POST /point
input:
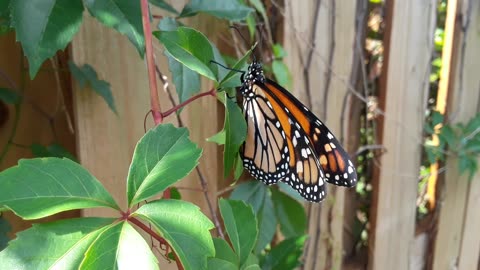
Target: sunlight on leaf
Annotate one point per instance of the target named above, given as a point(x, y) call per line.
point(53, 185)
point(231, 10)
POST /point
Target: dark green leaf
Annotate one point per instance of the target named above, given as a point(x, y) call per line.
point(242, 234)
point(175, 194)
point(290, 213)
point(232, 79)
point(428, 128)
point(447, 134)
point(187, 81)
point(162, 157)
point(437, 118)
point(189, 47)
point(123, 16)
point(5, 228)
point(52, 185)
point(44, 27)
point(52, 150)
point(267, 225)
point(473, 125)
point(285, 255)
point(5, 25)
point(56, 245)
point(168, 24)
point(467, 163)
point(282, 74)
point(185, 228)
point(163, 5)
point(117, 246)
point(225, 258)
point(231, 10)
point(235, 133)
point(87, 76)
point(9, 97)
point(252, 192)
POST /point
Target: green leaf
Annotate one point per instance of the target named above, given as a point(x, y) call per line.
point(447, 134)
point(242, 234)
point(187, 81)
point(251, 263)
point(119, 247)
point(87, 76)
point(467, 163)
point(185, 228)
point(238, 170)
point(123, 16)
point(225, 258)
point(287, 189)
point(52, 185)
point(163, 156)
point(189, 47)
point(278, 51)
point(252, 192)
point(5, 228)
point(56, 245)
point(5, 25)
point(232, 79)
point(282, 74)
point(285, 255)
point(251, 24)
point(231, 10)
point(218, 138)
point(45, 26)
point(163, 5)
point(437, 118)
point(9, 96)
point(218, 264)
point(290, 213)
point(235, 133)
point(52, 150)
point(168, 24)
point(267, 225)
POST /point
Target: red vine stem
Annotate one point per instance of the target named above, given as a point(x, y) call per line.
point(211, 92)
point(156, 236)
point(147, 30)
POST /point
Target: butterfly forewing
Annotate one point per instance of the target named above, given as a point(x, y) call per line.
point(265, 152)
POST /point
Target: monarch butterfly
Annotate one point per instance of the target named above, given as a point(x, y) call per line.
point(287, 142)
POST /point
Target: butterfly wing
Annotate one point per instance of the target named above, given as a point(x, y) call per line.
point(304, 172)
point(265, 152)
point(333, 159)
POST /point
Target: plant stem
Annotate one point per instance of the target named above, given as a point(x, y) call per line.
point(147, 30)
point(156, 236)
point(211, 92)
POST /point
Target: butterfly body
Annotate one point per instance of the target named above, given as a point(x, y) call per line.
point(287, 142)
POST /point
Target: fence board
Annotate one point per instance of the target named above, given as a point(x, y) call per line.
point(33, 127)
point(457, 245)
point(407, 69)
point(319, 39)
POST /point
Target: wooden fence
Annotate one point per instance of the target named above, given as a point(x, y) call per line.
point(325, 44)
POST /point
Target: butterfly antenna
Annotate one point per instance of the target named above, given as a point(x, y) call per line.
point(233, 69)
point(245, 40)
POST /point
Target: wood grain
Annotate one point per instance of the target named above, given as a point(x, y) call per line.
point(406, 77)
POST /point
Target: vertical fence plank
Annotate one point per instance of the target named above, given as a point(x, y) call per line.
point(457, 245)
point(319, 39)
point(407, 70)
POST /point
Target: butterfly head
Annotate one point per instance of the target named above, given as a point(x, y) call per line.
point(253, 75)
